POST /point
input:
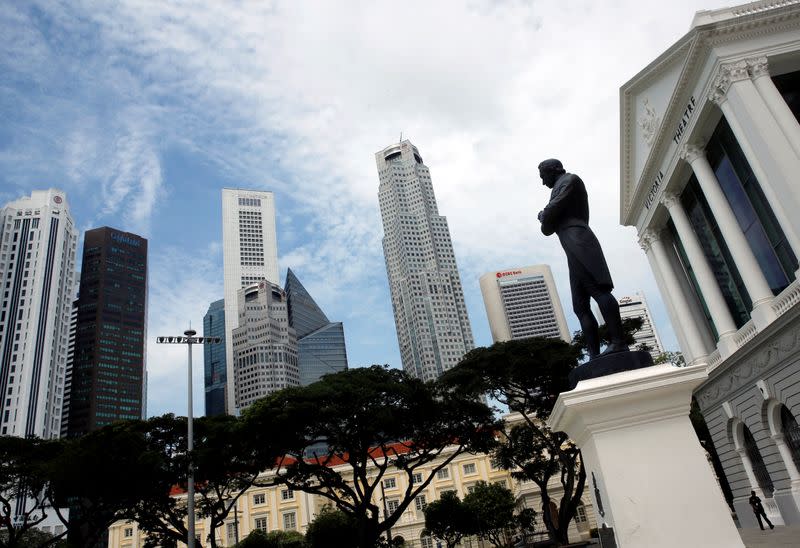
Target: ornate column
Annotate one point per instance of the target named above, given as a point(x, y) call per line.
point(677, 324)
point(695, 346)
point(749, 269)
point(764, 144)
point(788, 461)
point(759, 69)
point(720, 314)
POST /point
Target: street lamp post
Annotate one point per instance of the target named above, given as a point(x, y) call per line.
point(189, 339)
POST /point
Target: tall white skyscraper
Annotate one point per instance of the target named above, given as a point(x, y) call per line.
point(249, 254)
point(635, 306)
point(264, 344)
point(523, 302)
point(433, 328)
point(37, 271)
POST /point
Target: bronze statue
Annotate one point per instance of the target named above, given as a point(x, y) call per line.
point(567, 215)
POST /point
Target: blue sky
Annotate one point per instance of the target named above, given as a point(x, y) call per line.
point(143, 111)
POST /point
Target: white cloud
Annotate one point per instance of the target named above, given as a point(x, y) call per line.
point(298, 96)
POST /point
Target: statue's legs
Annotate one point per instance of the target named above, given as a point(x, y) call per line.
point(589, 327)
point(609, 308)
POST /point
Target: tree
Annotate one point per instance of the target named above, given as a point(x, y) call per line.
point(159, 512)
point(491, 510)
point(629, 327)
point(26, 490)
point(528, 375)
point(675, 358)
point(369, 421)
point(273, 539)
point(36, 537)
point(226, 462)
point(103, 474)
point(331, 529)
point(447, 519)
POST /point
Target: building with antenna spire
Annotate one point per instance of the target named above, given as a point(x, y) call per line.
point(430, 314)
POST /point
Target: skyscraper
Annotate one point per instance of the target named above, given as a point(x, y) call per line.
point(250, 254)
point(635, 306)
point(320, 343)
point(430, 315)
point(214, 359)
point(37, 270)
point(523, 302)
point(108, 366)
point(264, 345)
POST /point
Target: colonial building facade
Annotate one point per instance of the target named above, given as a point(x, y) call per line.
point(710, 157)
point(277, 508)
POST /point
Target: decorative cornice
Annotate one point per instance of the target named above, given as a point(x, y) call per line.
point(691, 152)
point(768, 355)
point(759, 66)
point(695, 47)
point(670, 200)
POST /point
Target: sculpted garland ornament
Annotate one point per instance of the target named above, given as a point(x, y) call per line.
point(649, 123)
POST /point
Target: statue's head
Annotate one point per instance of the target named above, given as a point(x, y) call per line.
point(550, 170)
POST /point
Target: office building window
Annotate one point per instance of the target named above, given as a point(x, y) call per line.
point(444, 473)
point(287, 494)
point(259, 498)
point(420, 502)
point(392, 505)
point(289, 521)
point(128, 532)
point(260, 523)
point(751, 208)
point(469, 468)
point(231, 533)
point(416, 477)
point(389, 483)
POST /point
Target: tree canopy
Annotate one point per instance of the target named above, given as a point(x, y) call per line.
point(528, 375)
point(370, 421)
point(331, 529)
point(448, 519)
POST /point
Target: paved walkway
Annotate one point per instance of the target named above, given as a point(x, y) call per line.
point(780, 536)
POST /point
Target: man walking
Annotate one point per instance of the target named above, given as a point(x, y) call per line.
point(758, 510)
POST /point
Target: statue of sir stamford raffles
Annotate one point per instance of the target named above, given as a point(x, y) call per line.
point(567, 215)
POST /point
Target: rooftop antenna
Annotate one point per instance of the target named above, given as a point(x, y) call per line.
point(401, 137)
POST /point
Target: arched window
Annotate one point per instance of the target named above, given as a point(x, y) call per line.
point(791, 434)
point(759, 468)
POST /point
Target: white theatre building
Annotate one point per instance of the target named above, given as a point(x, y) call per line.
point(523, 302)
point(37, 268)
point(710, 178)
point(249, 255)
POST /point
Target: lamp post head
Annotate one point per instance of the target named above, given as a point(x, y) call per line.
point(190, 332)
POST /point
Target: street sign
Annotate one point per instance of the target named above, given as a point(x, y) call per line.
point(188, 340)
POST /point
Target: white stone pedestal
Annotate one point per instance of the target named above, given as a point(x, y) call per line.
point(639, 448)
